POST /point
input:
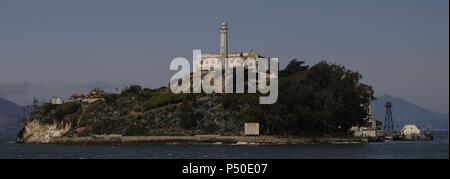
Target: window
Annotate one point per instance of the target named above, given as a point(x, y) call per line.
point(250, 65)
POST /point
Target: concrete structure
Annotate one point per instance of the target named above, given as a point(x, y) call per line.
point(209, 59)
point(363, 132)
point(410, 130)
point(224, 40)
point(370, 129)
point(93, 96)
point(56, 100)
point(251, 129)
point(235, 140)
point(76, 97)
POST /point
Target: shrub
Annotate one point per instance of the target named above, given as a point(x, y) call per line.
point(160, 99)
point(66, 109)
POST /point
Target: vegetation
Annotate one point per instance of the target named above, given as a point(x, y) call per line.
point(49, 112)
point(325, 99)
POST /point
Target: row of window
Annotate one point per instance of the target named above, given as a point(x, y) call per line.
point(231, 62)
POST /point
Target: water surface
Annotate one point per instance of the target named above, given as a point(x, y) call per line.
point(386, 150)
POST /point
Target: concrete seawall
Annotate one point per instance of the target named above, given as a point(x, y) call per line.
point(108, 139)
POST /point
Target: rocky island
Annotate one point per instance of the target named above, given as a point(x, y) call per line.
point(317, 104)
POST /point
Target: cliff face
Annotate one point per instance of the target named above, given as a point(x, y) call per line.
point(34, 131)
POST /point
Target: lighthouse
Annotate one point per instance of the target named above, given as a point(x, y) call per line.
point(224, 40)
point(207, 59)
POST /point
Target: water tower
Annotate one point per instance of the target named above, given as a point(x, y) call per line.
point(388, 120)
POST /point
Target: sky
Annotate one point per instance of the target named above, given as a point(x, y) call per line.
point(401, 47)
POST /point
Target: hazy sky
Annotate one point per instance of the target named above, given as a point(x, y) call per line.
point(400, 46)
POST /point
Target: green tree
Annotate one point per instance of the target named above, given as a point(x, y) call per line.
point(321, 100)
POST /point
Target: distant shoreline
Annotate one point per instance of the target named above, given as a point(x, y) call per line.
point(206, 139)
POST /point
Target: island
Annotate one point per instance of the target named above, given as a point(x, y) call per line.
point(317, 104)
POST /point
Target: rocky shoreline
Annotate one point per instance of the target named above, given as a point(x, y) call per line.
point(204, 139)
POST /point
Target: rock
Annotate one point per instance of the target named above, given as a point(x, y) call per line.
point(36, 132)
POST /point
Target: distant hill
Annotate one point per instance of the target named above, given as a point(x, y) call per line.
point(405, 112)
point(11, 115)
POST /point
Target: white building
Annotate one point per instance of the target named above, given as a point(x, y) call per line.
point(363, 132)
point(56, 100)
point(236, 59)
point(410, 130)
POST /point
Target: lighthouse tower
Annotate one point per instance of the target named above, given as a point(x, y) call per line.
point(224, 40)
